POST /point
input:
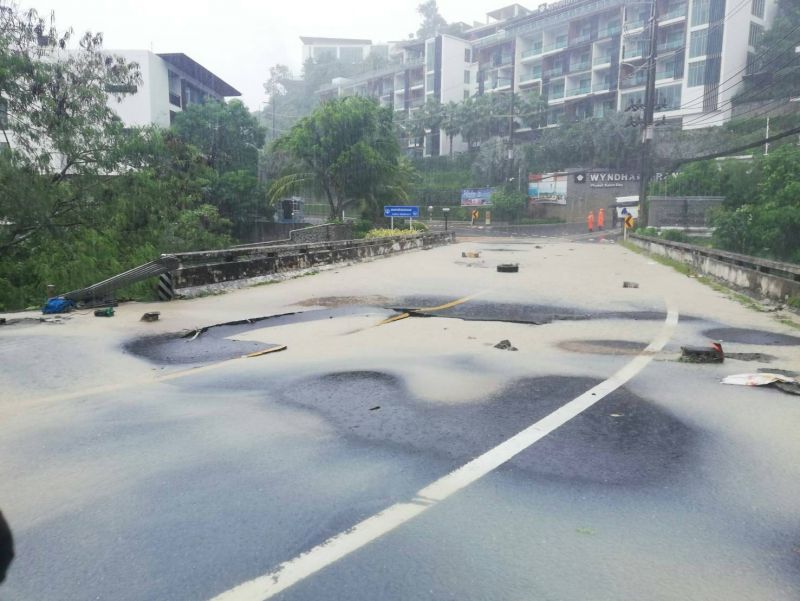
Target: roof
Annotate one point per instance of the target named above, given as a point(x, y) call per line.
point(498, 13)
point(310, 41)
point(200, 73)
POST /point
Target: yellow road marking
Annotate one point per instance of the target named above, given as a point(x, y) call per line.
point(450, 305)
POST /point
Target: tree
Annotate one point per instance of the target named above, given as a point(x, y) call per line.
point(509, 205)
point(776, 71)
point(347, 150)
point(58, 119)
point(230, 139)
point(432, 21)
point(451, 122)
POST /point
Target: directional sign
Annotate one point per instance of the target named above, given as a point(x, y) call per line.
point(401, 211)
point(628, 222)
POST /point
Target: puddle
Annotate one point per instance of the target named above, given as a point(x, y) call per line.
point(620, 440)
point(745, 336)
point(213, 343)
point(604, 347)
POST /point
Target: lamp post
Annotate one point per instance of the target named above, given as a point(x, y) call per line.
point(445, 210)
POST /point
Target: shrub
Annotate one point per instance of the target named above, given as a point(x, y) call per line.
point(386, 233)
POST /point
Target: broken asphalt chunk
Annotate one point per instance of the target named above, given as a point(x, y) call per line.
point(703, 354)
point(505, 345)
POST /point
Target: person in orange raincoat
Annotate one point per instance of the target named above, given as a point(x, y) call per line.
point(590, 221)
point(601, 218)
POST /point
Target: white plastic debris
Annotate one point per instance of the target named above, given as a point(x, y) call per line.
point(760, 379)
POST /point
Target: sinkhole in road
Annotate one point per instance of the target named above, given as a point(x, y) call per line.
point(216, 343)
point(534, 314)
point(621, 440)
point(747, 336)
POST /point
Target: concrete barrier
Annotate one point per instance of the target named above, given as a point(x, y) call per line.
point(208, 268)
point(770, 279)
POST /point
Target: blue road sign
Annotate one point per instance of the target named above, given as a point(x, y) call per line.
point(400, 211)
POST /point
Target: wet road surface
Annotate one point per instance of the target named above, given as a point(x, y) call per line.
point(202, 470)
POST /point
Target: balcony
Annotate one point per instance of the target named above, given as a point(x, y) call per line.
point(557, 45)
point(602, 60)
point(610, 31)
point(601, 86)
point(174, 99)
point(530, 75)
point(555, 72)
point(671, 45)
point(635, 24)
point(534, 50)
point(417, 83)
point(581, 39)
point(581, 66)
point(674, 12)
point(556, 94)
point(585, 89)
point(417, 102)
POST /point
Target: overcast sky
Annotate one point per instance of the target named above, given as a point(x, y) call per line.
point(239, 40)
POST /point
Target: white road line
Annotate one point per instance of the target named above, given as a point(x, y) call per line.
point(293, 571)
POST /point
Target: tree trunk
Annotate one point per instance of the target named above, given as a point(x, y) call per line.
point(451, 146)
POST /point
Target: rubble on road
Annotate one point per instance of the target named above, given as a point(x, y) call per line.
point(505, 345)
point(703, 354)
point(783, 382)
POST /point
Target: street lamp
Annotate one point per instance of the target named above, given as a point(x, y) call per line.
point(445, 210)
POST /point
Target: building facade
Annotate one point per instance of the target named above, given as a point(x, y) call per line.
point(170, 83)
point(585, 58)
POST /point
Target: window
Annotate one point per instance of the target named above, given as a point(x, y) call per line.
point(757, 8)
point(467, 55)
point(324, 53)
point(632, 99)
point(430, 55)
point(698, 43)
point(668, 98)
point(3, 113)
point(429, 83)
point(751, 63)
point(697, 74)
point(466, 94)
point(351, 55)
point(466, 76)
point(756, 31)
point(701, 12)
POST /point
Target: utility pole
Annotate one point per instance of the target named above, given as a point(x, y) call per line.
point(272, 102)
point(649, 109)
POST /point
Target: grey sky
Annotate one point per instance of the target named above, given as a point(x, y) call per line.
point(240, 39)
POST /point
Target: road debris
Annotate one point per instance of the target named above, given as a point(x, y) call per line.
point(274, 349)
point(508, 267)
point(505, 345)
point(375, 408)
point(630, 284)
point(703, 354)
point(105, 312)
point(151, 316)
point(785, 383)
point(58, 305)
point(471, 254)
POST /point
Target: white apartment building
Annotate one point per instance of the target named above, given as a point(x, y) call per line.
point(586, 58)
point(170, 82)
point(346, 50)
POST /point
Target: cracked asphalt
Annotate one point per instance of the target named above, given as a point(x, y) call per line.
point(150, 461)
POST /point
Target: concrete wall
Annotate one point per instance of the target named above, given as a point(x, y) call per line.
point(682, 211)
point(770, 279)
point(215, 267)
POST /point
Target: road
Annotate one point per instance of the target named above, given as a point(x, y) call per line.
point(394, 453)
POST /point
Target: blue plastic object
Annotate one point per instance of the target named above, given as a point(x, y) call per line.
point(58, 305)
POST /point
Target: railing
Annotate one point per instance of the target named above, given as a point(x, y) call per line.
point(415, 83)
point(674, 13)
point(578, 91)
point(670, 45)
point(174, 99)
point(556, 94)
point(636, 24)
point(530, 75)
point(611, 31)
point(414, 62)
point(534, 50)
point(604, 86)
point(557, 72)
point(555, 46)
point(601, 60)
point(581, 39)
point(416, 103)
point(584, 66)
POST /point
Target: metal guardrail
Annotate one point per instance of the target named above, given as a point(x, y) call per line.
point(101, 290)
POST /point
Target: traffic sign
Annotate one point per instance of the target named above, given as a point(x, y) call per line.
point(628, 222)
point(401, 211)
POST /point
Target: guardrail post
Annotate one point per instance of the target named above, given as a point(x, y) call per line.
point(165, 287)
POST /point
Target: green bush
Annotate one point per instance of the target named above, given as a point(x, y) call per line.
point(387, 233)
point(675, 236)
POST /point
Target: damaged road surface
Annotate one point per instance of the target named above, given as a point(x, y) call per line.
point(396, 449)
